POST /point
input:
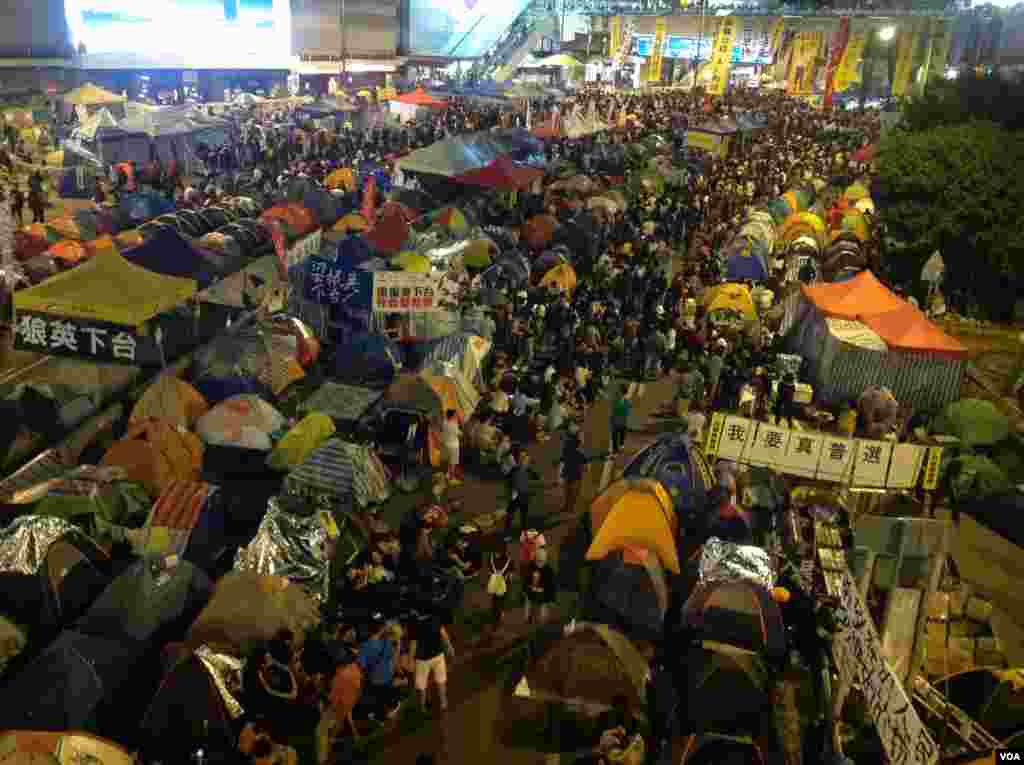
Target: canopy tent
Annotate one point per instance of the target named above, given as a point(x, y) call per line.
point(502, 175)
point(97, 290)
point(638, 513)
point(91, 95)
point(458, 155)
point(559, 60)
point(677, 465)
point(91, 128)
point(922, 365)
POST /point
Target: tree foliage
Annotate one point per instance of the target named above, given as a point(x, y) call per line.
point(959, 189)
point(971, 96)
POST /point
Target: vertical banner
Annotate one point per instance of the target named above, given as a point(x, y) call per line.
point(777, 31)
point(906, 47)
point(839, 41)
point(815, 48)
point(721, 57)
point(849, 67)
point(805, 48)
point(941, 38)
point(614, 36)
point(657, 55)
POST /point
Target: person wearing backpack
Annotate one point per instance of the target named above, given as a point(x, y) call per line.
point(622, 408)
point(500, 567)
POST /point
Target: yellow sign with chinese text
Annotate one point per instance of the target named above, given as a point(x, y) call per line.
point(848, 71)
point(721, 57)
point(906, 47)
point(654, 65)
point(614, 36)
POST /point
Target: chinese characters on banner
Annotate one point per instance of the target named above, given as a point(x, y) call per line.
point(810, 454)
point(614, 36)
point(721, 57)
point(848, 71)
point(67, 336)
point(654, 66)
point(859, 659)
point(402, 292)
point(331, 283)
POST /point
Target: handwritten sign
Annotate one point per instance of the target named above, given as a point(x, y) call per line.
point(404, 292)
point(872, 465)
point(737, 435)
point(332, 283)
point(859, 659)
point(70, 336)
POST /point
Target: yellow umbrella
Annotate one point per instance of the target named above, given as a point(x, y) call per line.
point(342, 178)
point(562, 276)
point(352, 222)
point(856, 192)
point(413, 262)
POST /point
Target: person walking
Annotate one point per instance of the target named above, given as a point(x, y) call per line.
point(519, 485)
point(574, 464)
point(18, 206)
point(451, 434)
point(430, 645)
point(622, 408)
point(500, 565)
point(539, 587)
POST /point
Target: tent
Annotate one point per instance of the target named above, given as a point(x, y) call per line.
point(459, 155)
point(730, 686)
point(923, 366)
point(342, 470)
point(635, 512)
point(715, 749)
point(35, 747)
point(245, 421)
point(630, 585)
point(562, 276)
point(677, 465)
point(420, 393)
point(732, 298)
point(342, 403)
point(72, 685)
point(301, 441)
point(148, 599)
point(168, 254)
point(592, 664)
point(368, 358)
point(155, 453)
point(412, 105)
point(738, 613)
point(455, 384)
point(502, 175)
point(463, 351)
point(390, 231)
point(96, 290)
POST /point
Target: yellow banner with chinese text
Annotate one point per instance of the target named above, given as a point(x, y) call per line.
point(654, 65)
point(778, 30)
point(614, 36)
point(721, 57)
point(906, 47)
point(848, 71)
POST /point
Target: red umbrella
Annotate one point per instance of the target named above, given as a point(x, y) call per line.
point(864, 154)
point(502, 174)
point(420, 97)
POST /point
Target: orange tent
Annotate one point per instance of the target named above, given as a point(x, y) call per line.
point(420, 97)
point(298, 219)
point(865, 299)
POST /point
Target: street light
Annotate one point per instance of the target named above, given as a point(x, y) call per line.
point(885, 34)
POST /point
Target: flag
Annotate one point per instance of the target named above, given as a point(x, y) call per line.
point(839, 42)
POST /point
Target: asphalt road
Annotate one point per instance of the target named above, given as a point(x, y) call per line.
point(473, 729)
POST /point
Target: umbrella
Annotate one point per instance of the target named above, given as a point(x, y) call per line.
point(479, 254)
point(352, 222)
point(342, 178)
point(974, 421)
point(864, 154)
point(451, 218)
point(412, 262)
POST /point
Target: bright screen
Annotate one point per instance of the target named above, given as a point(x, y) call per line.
point(186, 34)
point(677, 46)
point(459, 28)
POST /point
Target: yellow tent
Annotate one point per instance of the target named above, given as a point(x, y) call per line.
point(107, 288)
point(352, 222)
point(562, 276)
point(92, 95)
point(343, 179)
point(301, 441)
point(171, 399)
point(635, 512)
point(731, 297)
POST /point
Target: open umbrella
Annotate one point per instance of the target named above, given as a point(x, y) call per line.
point(479, 254)
point(412, 262)
point(974, 421)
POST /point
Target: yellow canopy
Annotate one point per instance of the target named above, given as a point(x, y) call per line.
point(635, 512)
point(92, 95)
point(562, 276)
point(731, 297)
point(107, 288)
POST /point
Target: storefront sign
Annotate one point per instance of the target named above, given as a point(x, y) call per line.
point(400, 292)
point(332, 283)
point(306, 247)
point(810, 454)
point(860, 661)
point(68, 336)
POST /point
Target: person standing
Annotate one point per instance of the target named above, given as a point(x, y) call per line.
point(499, 565)
point(785, 405)
point(622, 408)
point(18, 206)
point(519, 484)
point(574, 464)
point(430, 645)
point(539, 587)
point(451, 434)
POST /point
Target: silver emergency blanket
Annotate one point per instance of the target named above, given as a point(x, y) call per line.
point(226, 673)
point(24, 543)
point(291, 547)
point(443, 253)
point(722, 561)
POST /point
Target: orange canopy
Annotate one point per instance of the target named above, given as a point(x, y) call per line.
point(865, 299)
point(420, 97)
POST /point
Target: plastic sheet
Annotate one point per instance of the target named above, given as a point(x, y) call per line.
point(722, 561)
point(226, 673)
point(292, 547)
point(24, 543)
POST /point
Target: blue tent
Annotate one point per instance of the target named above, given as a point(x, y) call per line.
point(742, 268)
point(679, 467)
point(353, 249)
point(142, 206)
point(168, 254)
point(368, 359)
point(329, 208)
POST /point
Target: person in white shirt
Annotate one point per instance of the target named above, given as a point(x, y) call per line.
point(451, 433)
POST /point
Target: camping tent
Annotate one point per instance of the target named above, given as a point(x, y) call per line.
point(98, 290)
point(464, 351)
point(922, 365)
point(341, 469)
point(638, 513)
point(732, 298)
point(168, 254)
point(677, 465)
point(630, 587)
point(738, 613)
point(992, 697)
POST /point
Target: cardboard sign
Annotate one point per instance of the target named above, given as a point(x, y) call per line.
point(737, 434)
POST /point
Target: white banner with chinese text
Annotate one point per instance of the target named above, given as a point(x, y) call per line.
point(811, 454)
point(404, 292)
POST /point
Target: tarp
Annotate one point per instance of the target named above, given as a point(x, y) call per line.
point(865, 299)
point(341, 470)
point(502, 175)
point(638, 513)
point(99, 289)
point(731, 297)
point(91, 95)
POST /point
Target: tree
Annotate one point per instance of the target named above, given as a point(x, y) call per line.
point(958, 189)
point(969, 97)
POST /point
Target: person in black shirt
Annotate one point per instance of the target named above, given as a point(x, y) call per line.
point(430, 644)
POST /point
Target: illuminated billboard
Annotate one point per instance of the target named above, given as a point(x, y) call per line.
point(680, 46)
point(459, 28)
point(185, 34)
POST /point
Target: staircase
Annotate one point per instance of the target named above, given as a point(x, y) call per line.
point(970, 734)
point(523, 36)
